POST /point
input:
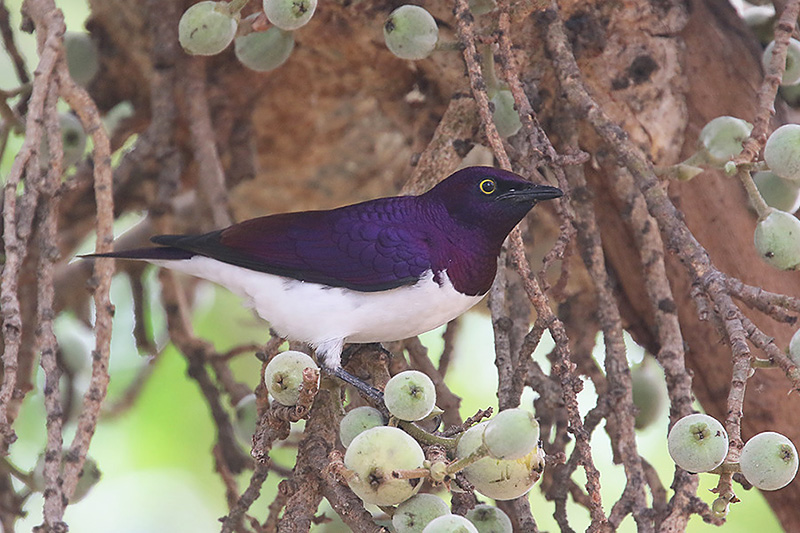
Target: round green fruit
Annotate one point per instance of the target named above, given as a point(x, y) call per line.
point(769, 461)
point(791, 75)
point(697, 443)
point(722, 138)
point(790, 95)
point(451, 523)
point(649, 392)
point(761, 20)
point(357, 421)
point(511, 434)
point(284, 375)
point(73, 142)
point(505, 116)
point(501, 479)
point(720, 507)
point(415, 513)
point(266, 50)
point(410, 32)
point(794, 348)
point(777, 239)
point(410, 395)
point(490, 519)
point(73, 138)
point(782, 152)
point(373, 456)
point(206, 28)
point(289, 14)
point(88, 477)
point(82, 57)
point(75, 343)
point(777, 192)
point(246, 419)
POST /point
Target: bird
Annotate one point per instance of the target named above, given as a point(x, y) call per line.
point(382, 270)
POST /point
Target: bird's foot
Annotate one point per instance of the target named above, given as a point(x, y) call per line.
point(361, 386)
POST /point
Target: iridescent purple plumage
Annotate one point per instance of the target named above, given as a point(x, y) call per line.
point(379, 270)
point(379, 244)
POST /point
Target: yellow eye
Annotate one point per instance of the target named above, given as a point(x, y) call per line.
point(487, 186)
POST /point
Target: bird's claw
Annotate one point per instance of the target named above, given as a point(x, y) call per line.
point(373, 394)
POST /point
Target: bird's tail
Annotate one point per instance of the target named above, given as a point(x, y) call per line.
point(152, 253)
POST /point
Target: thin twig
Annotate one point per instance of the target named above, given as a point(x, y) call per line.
point(445, 399)
point(620, 425)
point(10, 45)
point(197, 353)
point(564, 367)
point(54, 497)
point(15, 237)
point(231, 521)
point(466, 34)
point(272, 427)
point(784, 27)
point(671, 354)
point(501, 327)
point(90, 118)
point(448, 337)
point(769, 303)
point(777, 357)
point(209, 167)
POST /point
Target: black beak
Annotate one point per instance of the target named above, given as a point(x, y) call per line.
point(534, 193)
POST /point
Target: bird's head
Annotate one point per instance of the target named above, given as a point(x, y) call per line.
point(489, 198)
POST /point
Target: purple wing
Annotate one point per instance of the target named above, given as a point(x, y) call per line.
point(367, 247)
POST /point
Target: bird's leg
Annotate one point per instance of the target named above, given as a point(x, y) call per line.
point(330, 356)
point(361, 386)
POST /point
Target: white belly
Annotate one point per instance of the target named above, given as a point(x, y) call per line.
point(327, 317)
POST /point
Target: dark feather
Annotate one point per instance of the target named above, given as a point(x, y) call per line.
point(457, 226)
point(367, 247)
point(162, 253)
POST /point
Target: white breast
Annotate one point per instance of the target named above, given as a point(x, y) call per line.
point(327, 317)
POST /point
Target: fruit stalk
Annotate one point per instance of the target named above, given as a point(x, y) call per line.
point(761, 207)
